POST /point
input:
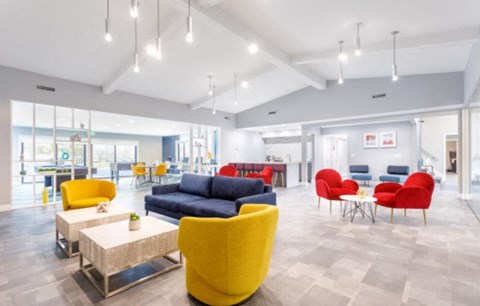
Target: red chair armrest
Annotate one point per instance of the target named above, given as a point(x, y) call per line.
point(387, 187)
point(350, 184)
point(322, 189)
point(412, 197)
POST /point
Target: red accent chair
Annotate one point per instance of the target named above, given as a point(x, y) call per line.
point(416, 193)
point(266, 175)
point(228, 171)
point(329, 185)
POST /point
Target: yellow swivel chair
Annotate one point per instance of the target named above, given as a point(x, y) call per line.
point(161, 172)
point(227, 259)
point(86, 193)
point(139, 173)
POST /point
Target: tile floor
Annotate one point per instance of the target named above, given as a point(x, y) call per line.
point(319, 259)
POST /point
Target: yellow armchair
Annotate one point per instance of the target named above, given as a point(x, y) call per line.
point(227, 259)
point(86, 193)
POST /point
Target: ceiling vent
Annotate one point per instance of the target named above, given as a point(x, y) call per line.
point(41, 87)
point(227, 118)
point(272, 113)
point(379, 96)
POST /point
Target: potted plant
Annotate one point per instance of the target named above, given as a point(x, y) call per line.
point(23, 172)
point(134, 223)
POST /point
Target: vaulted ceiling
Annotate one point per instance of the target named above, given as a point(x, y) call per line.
point(297, 41)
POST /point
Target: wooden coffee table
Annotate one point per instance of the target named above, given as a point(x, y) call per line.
point(114, 251)
point(358, 203)
point(69, 222)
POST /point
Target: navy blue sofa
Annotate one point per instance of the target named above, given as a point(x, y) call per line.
point(360, 173)
point(206, 196)
point(396, 174)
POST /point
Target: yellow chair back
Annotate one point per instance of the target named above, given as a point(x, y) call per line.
point(86, 189)
point(138, 169)
point(161, 169)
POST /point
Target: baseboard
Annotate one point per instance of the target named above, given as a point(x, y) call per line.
point(464, 196)
point(5, 207)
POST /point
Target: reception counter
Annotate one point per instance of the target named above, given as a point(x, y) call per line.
point(292, 174)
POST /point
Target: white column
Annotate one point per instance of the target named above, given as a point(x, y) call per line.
point(304, 165)
point(5, 155)
point(463, 156)
point(190, 149)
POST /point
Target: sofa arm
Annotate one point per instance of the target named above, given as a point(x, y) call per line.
point(413, 197)
point(387, 187)
point(350, 184)
point(265, 198)
point(163, 189)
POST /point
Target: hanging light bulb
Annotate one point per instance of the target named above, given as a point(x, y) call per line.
point(108, 35)
point(358, 49)
point(342, 56)
point(235, 84)
point(136, 66)
point(134, 9)
point(214, 111)
point(253, 48)
point(210, 89)
point(244, 84)
point(394, 65)
point(189, 37)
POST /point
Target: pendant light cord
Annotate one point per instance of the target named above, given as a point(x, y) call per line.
point(108, 9)
point(158, 18)
point(136, 40)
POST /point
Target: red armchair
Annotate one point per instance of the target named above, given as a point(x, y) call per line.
point(416, 193)
point(228, 171)
point(266, 175)
point(329, 185)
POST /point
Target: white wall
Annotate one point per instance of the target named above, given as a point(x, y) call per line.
point(241, 146)
point(472, 73)
point(434, 130)
point(377, 159)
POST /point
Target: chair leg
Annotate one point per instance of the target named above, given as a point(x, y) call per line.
point(376, 209)
point(318, 202)
point(405, 212)
point(425, 217)
point(391, 216)
point(330, 206)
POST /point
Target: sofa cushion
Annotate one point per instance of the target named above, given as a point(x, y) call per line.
point(87, 202)
point(359, 169)
point(171, 201)
point(401, 170)
point(385, 198)
point(389, 178)
point(196, 184)
point(209, 208)
point(335, 193)
point(232, 188)
point(361, 177)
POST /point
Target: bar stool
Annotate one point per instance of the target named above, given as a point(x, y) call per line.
point(279, 169)
point(257, 168)
point(241, 168)
point(248, 169)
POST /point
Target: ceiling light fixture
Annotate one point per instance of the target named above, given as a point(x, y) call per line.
point(358, 49)
point(253, 48)
point(235, 84)
point(136, 67)
point(244, 84)
point(210, 88)
point(189, 37)
point(394, 65)
point(134, 9)
point(214, 111)
point(158, 54)
point(342, 56)
point(108, 35)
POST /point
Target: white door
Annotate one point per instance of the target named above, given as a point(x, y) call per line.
point(335, 153)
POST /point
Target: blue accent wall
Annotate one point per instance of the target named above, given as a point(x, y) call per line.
point(168, 147)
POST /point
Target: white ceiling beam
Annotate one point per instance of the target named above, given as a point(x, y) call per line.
point(432, 40)
point(173, 25)
point(249, 77)
point(270, 52)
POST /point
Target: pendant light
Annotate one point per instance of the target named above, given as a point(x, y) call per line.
point(358, 49)
point(394, 65)
point(108, 35)
point(214, 111)
point(340, 74)
point(189, 37)
point(134, 9)
point(342, 56)
point(236, 86)
point(136, 67)
point(210, 89)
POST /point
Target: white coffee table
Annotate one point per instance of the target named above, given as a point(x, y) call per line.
point(69, 222)
point(358, 203)
point(112, 248)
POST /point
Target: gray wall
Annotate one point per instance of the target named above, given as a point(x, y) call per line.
point(354, 99)
point(21, 85)
point(472, 72)
point(377, 159)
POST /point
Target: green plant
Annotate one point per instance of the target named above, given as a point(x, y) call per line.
point(134, 217)
point(23, 172)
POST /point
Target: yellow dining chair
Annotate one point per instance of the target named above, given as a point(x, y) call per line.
point(227, 259)
point(139, 173)
point(86, 193)
point(161, 173)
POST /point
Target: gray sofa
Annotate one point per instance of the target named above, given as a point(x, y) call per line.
point(205, 196)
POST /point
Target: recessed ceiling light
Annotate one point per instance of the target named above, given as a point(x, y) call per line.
point(131, 121)
point(117, 124)
point(244, 84)
point(253, 48)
